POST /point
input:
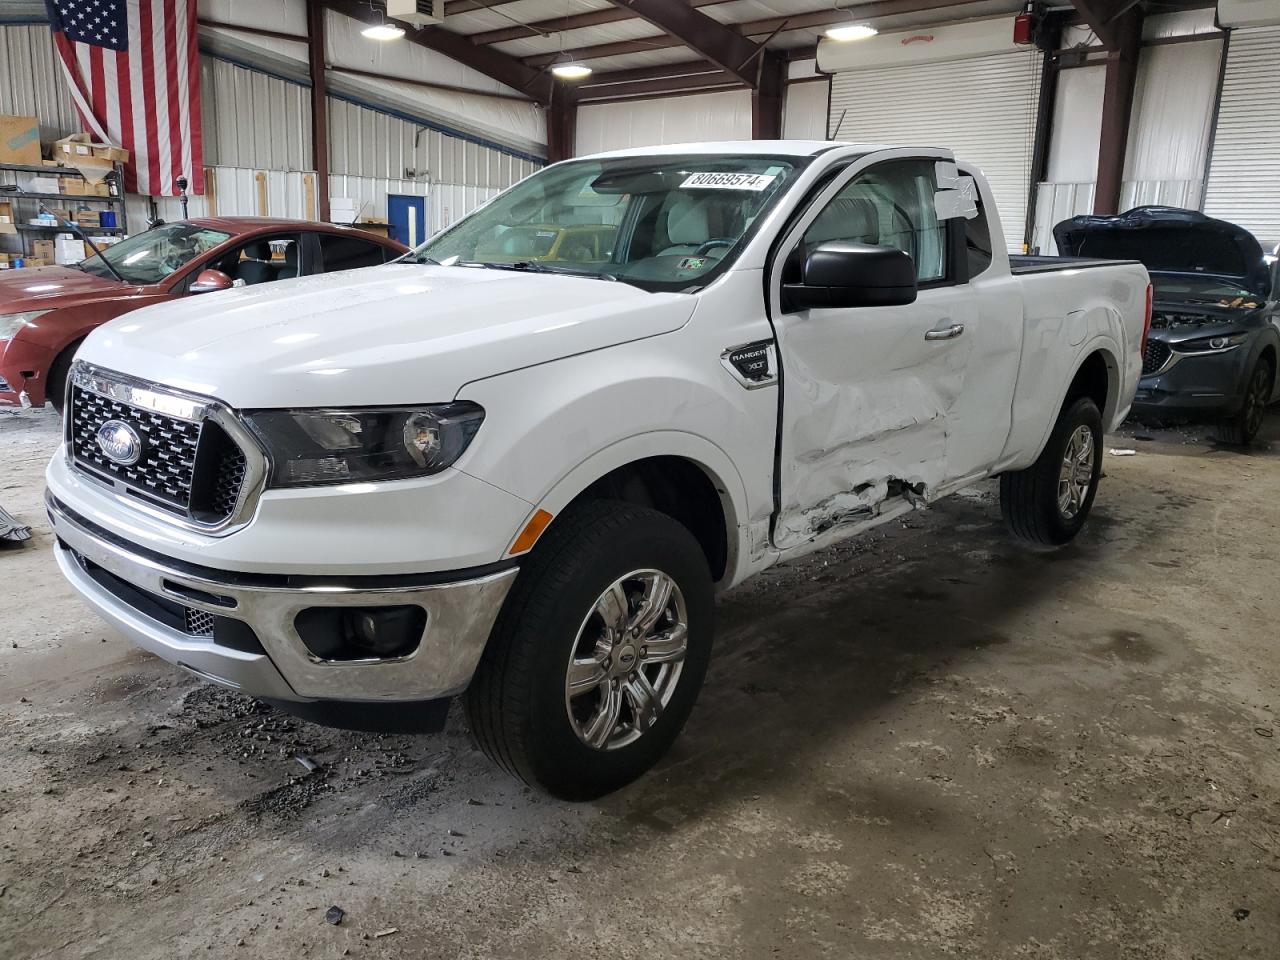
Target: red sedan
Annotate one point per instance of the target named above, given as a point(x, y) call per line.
point(46, 311)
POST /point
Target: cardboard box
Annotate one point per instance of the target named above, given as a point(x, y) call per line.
point(68, 250)
point(88, 220)
point(20, 140)
point(36, 184)
point(43, 250)
point(7, 223)
point(93, 160)
point(73, 186)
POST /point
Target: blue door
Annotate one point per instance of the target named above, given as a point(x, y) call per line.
point(408, 218)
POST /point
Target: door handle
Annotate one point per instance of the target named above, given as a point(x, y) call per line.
point(945, 333)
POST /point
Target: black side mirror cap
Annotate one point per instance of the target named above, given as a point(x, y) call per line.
point(843, 274)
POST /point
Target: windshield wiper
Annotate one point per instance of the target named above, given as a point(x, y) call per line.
point(534, 266)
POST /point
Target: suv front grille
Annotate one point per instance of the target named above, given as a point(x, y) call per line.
point(1155, 357)
point(188, 466)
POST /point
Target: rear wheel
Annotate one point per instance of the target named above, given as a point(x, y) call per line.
point(59, 370)
point(1244, 426)
point(599, 652)
point(1049, 501)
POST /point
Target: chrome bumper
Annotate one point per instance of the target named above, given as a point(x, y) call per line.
point(460, 615)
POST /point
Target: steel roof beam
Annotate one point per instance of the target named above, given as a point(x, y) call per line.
point(524, 77)
point(722, 45)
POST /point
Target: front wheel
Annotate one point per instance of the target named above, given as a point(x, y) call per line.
point(599, 652)
point(1244, 426)
point(1049, 501)
point(59, 370)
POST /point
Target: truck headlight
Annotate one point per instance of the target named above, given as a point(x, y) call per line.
point(11, 323)
point(309, 447)
point(1218, 344)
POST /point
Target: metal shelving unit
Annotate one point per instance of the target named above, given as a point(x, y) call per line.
point(26, 203)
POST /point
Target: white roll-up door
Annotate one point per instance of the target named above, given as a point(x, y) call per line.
point(1244, 170)
point(983, 108)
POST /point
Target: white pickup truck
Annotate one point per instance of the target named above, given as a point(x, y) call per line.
point(519, 463)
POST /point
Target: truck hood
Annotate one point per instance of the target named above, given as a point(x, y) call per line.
point(1169, 240)
point(394, 334)
point(51, 288)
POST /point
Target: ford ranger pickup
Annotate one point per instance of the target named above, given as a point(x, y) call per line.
point(523, 480)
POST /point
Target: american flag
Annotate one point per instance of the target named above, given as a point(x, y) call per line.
point(134, 72)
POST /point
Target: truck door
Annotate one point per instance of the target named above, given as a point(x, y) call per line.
point(869, 392)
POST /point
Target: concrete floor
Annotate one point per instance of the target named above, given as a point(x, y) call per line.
point(929, 743)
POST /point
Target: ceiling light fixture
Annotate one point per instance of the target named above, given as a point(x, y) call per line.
point(571, 71)
point(383, 31)
point(851, 31)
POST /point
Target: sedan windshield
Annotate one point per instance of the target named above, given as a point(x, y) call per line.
point(151, 256)
point(659, 223)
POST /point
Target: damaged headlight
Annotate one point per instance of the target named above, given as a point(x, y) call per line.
point(309, 447)
point(1218, 344)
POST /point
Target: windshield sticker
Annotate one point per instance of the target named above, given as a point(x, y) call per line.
point(727, 181)
point(692, 263)
point(957, 195)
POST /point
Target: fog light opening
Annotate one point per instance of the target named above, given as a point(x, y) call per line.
point(361, 633)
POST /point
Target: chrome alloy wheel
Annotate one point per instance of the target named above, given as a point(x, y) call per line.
point(626, 660)
point(1076, 475)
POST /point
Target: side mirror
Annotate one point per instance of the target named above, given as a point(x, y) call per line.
point(210, 280)
point(843, 274)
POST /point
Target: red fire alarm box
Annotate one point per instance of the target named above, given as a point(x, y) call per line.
point(1024, 25)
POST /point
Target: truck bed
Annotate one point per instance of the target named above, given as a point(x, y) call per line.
point(1022, 264)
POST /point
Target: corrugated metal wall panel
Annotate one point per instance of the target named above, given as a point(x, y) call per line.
point(984, 108)
point(1244, 170)
point(253, 120)
point(31, 83)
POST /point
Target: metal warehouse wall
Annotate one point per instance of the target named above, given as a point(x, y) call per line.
point(31, 82)
point(251, 119)
point(372, 154)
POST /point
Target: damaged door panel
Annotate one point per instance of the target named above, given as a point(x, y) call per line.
point(871, 392)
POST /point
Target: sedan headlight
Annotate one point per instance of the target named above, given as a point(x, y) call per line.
point(1218, 344)
point(309, 447)
point(11, 323)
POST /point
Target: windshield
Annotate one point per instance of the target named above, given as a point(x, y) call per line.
point(659, 223)
point(151, 256)
point(1202, 290)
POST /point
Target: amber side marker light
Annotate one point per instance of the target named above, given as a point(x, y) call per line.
point(531, 532)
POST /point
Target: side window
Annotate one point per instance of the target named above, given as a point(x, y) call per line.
point(892, 205)
point(261, 260)
point(348, 253)
point(977, 241)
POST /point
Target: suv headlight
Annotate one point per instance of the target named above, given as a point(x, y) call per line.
point(310, 447)
point(11, 323)
point(1218, 344)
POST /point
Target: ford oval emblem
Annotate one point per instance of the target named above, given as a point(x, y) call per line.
point(120, 443)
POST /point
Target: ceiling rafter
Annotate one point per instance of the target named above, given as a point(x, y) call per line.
point(523, 77)
point(721, 44)
point(754, 28)
point(576, 21)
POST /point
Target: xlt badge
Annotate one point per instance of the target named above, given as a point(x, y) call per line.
point(752, 364)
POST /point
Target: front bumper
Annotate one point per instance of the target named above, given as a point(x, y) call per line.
point(460, 614)
point(1206, 384)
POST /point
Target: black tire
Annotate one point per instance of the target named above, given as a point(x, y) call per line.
point(1029, 499)
point(516, 704)
point(56, 391)
point(1240, 429)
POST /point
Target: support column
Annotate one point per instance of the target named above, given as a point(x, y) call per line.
point(767, 98)
point(319, 106)
point(562, 122)
point(1117, 103)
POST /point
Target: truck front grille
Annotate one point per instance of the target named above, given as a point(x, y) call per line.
point(1155, 357)
point(188, 465)
point(165, 469)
